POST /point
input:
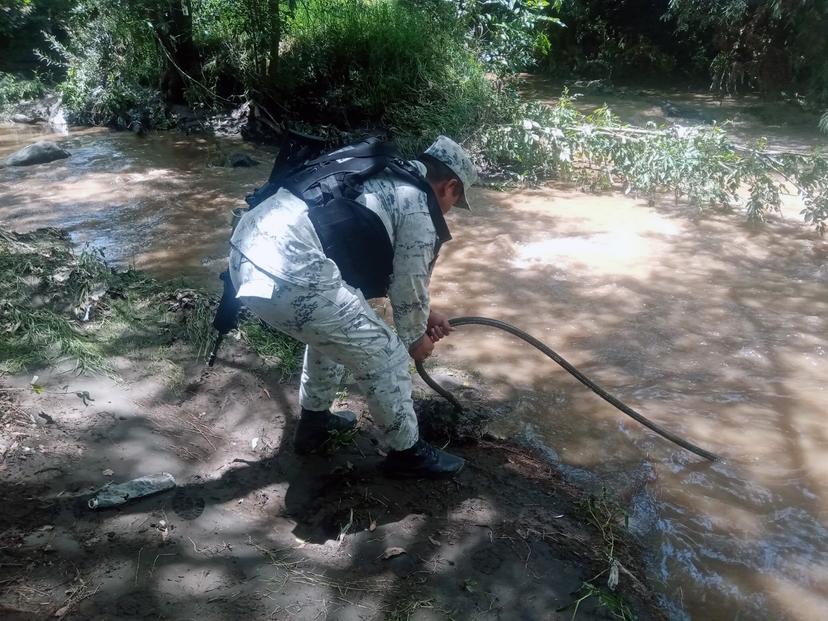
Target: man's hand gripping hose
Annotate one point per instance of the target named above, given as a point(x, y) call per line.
point(494, 323)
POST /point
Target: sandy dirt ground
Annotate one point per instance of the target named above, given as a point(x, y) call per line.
point(254, 532)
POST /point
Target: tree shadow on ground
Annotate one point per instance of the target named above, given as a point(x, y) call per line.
point(713, 327)
point(304, 538)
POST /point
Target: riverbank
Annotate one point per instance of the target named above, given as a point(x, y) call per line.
point(251, 529)
point(712, 327)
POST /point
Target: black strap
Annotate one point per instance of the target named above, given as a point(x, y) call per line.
point(411, 175)
point(353, 171)
point(296, 147)
point(367, 148)
point(311, 175)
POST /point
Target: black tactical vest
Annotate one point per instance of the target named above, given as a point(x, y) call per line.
point(352, 235)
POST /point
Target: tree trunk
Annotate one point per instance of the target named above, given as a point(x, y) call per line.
point(275, 39)
point(175, 33)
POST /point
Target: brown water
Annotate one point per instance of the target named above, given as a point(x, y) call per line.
point(714, 330)
point(160, 203)
point(746, 119)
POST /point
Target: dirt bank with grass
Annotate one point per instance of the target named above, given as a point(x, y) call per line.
point(252, 531)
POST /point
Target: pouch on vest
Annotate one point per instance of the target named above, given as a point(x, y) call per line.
point(296, 149)
point(355, 238)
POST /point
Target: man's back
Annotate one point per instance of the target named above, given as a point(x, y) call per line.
point(279, 238)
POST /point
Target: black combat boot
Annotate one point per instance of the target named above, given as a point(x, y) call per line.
point(320, 432)
point(422, 461)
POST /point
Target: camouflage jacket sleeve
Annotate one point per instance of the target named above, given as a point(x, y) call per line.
point(414, 241)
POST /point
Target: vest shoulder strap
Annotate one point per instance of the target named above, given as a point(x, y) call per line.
point(348, 168)
point(410, 174)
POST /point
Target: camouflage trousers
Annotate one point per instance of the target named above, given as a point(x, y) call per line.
point(341, 330)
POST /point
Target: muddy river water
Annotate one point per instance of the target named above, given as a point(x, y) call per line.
point(717, 331)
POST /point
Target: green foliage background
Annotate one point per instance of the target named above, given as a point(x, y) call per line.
point(413, 69)
point(359, 57)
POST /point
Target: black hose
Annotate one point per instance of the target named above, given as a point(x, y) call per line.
point(495, 323)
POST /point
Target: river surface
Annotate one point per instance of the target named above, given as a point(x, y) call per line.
point(713, 329)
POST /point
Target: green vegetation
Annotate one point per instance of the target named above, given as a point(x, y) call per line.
point(382, 64)
point(14, 89)
point(766, 45)
point(510, 35)
point(338, 439)
point(624, 40)
point(412, 70)
point(58, 307)
point(357, 56)
point(110, 64)
point(613, 603)
point(43, 297)
point(699, 164)
point(607, 516)
point(272, 346)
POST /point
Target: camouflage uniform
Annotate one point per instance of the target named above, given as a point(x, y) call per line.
point(282, 274)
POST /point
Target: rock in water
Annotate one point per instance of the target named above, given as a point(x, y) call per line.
point(58, 121)
point(37, 153)
point(678, 111)
point(240, 160)
point(138, 128)
point(592, 86)
point(23, 119)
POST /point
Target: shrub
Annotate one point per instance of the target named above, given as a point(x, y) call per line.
point(697, 163)
point(111, 62)
point(351, 62)
point(14, 89)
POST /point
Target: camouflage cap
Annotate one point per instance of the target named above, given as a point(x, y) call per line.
point(453, 156)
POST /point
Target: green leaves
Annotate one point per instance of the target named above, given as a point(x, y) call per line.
point(699, 164)
point(14, 88)
point(508, 33)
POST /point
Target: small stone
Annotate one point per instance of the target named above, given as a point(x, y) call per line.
point(392, 552)
point(238, 159)
point(61, 612)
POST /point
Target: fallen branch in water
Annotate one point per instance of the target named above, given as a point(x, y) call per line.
point(700, 163)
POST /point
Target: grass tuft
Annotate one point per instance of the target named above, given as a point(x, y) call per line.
point(274, 347)
point(45, 288)
point(607, 516)
point(59, 307)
